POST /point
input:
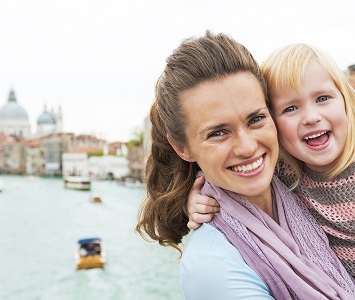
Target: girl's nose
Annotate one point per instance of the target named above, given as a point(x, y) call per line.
point(311, 117)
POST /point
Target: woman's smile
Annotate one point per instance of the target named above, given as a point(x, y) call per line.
point(249, 169)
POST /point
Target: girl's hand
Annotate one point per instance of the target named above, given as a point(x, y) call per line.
point(200, 208)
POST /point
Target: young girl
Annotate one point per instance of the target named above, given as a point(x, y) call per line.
point(314, 109)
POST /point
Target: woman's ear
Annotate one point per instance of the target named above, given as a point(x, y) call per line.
point(181, 150)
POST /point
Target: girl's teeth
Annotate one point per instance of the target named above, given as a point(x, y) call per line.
point(313, 136)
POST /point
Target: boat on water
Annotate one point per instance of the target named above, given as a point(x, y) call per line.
point(96, 199)
point(90, 254)
point(77, 183)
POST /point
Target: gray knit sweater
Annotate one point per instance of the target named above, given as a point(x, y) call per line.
point(332, 203)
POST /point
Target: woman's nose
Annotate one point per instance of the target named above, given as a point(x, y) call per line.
point(245, 145)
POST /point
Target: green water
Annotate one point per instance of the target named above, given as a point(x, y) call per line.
point(40, 222)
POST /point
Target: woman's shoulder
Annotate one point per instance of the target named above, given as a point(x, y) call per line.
point(208, 240)
point(212, 268)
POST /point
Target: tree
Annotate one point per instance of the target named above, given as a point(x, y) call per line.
point(137, 140)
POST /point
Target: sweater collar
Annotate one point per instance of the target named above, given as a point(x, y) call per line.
point(322, 177)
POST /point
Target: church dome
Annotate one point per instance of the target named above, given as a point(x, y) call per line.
point(46, 118)
point(12, 110)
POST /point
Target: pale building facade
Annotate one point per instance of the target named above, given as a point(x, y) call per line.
point(35, 157)
point(13, 154)
point(75, 164)
point(55, 145)
point(108, 166)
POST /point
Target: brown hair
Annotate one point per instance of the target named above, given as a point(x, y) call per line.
point(168, 177)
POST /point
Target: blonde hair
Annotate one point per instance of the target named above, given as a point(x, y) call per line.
point(284, 70)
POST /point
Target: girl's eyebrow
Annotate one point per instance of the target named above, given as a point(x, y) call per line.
point(322, 91)
point(284, 102)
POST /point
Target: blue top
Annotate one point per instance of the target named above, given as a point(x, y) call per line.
point(212, 269)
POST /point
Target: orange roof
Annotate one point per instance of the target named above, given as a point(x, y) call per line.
point(34, 143)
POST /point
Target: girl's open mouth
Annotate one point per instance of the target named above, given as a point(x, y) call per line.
point(317, 139)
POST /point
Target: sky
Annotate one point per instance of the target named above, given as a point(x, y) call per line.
point(99, 60)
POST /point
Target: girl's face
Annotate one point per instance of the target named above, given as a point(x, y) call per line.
point(312, 123)
point(231, 135)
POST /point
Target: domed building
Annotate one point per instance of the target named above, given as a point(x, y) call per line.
point(49, 122)
point(13, 118)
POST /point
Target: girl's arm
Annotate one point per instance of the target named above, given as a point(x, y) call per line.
point(200, 209)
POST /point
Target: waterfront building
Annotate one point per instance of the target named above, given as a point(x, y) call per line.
point(75, 158)
point(118, 148)
point(98, 163)
point(55, 145)
point(12, 155)
point(108, 167)
point(35, 157)
point(75, 161)
point(4, 140)
point(13, 118)
point(41, 153)
point(89, 141)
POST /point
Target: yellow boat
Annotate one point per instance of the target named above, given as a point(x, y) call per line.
point(90, 262)
point(90, 254)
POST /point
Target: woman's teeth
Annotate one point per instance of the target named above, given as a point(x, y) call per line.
point(248, 167)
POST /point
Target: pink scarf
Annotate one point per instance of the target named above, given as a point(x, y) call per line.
point(294, 258)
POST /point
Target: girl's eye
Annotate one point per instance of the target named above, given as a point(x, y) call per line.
point(256, 119)
point(322, 98)
point(216, 134)
point(290, 109)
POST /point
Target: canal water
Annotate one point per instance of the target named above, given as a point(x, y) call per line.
point(40, 222)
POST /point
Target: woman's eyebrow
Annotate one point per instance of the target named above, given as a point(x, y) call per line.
point(215, 127)
point(223, 125)
point(254, 113)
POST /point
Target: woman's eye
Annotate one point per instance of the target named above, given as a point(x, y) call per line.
point(215, 134)
point(256, 119)
point(290, 109)
point(322, 98)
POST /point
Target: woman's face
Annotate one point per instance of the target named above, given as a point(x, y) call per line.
point(231, 135)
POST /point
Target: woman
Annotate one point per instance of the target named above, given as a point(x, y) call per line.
point(210, 116)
